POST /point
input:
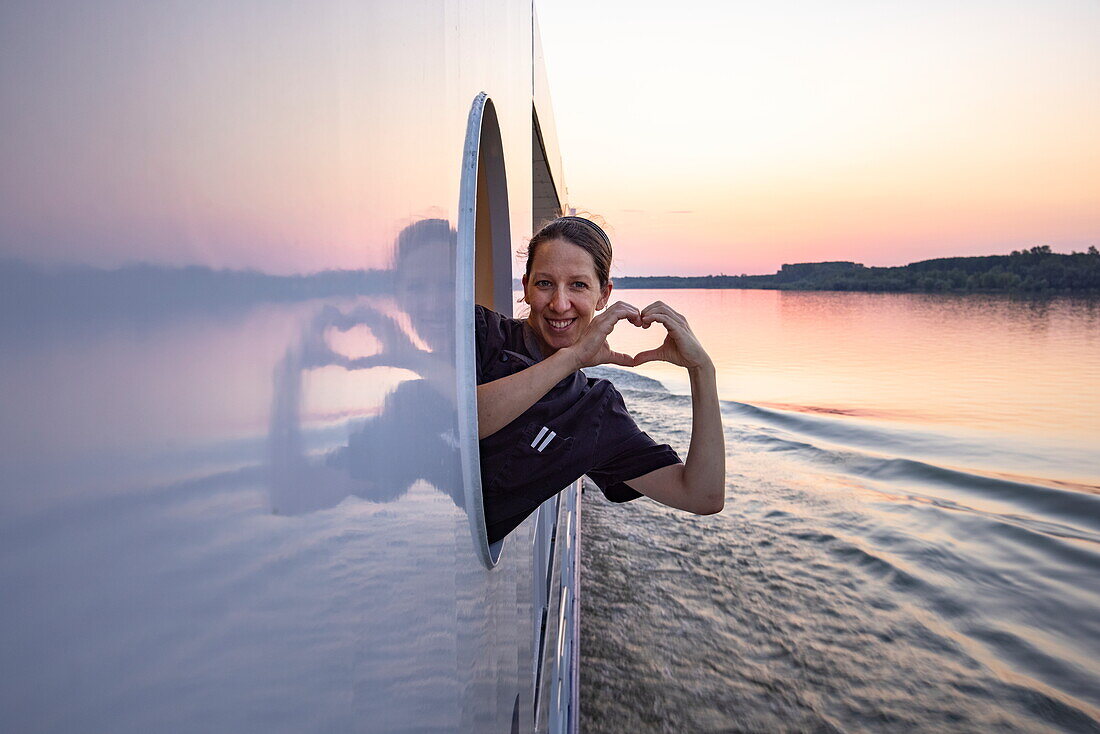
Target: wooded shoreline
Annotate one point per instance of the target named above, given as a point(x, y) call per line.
point(1033, 271)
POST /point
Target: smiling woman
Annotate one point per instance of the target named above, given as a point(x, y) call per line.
point(543, 423)
point(577, 252)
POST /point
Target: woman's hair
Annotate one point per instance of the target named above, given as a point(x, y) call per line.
point(585, 234)
point(418, 235)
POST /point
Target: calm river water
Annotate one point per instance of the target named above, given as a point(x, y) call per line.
point(911, 540)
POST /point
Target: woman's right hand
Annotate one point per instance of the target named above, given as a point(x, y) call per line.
point(592, 349)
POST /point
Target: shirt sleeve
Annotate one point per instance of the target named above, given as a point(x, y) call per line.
point(489, 338)
point(625, 452)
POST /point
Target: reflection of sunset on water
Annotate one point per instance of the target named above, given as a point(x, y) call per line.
point(977, 362)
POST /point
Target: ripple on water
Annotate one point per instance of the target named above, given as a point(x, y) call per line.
point(840, 591)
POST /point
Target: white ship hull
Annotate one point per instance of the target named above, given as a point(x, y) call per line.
point(239, 489)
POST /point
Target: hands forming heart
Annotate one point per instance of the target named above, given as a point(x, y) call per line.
point(680, 346)
point(361, 338)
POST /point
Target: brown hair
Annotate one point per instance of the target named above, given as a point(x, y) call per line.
point(585, 234)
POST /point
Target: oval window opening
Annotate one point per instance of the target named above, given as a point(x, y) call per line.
point(484, 276)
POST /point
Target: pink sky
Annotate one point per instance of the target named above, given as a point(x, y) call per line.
point(710, 136)
point(734, 137)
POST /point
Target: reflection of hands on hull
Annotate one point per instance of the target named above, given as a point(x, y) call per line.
point(398, 349)
point(375, 464)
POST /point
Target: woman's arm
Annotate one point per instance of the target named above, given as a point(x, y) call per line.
point(502, 401)
point(699, 484)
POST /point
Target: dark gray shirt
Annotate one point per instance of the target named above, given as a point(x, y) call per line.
point(580, 427)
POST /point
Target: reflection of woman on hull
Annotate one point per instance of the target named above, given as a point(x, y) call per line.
point(543, 424)
point(378, 464)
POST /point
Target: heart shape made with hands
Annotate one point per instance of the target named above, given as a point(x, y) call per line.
point(633, 340)
point(352, 341)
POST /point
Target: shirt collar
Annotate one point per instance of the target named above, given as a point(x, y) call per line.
point(531, 342)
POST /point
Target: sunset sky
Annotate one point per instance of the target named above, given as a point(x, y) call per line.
point(712, 137)
point(734, 137)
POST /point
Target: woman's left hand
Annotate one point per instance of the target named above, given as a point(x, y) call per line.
point(680, 347)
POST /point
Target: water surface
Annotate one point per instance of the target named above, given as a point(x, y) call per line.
point(911, 540)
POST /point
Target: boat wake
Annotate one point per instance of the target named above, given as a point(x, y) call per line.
point(863, 576)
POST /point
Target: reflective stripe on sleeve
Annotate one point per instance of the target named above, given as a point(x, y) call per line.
point(539, 437)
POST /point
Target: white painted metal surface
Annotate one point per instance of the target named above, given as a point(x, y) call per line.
point(234, 495)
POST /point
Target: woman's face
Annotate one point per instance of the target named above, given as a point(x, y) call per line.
point(563, 292)
point(425, 291)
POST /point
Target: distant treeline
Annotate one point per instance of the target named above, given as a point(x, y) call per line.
point(34, 297)
point(161, 286)
point(1037, 271)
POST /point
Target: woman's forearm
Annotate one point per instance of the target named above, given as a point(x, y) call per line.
point(705, 467)
point(699, 484)
point(502, 401)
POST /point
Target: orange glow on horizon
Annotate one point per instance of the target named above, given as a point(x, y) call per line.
point(883, 135)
